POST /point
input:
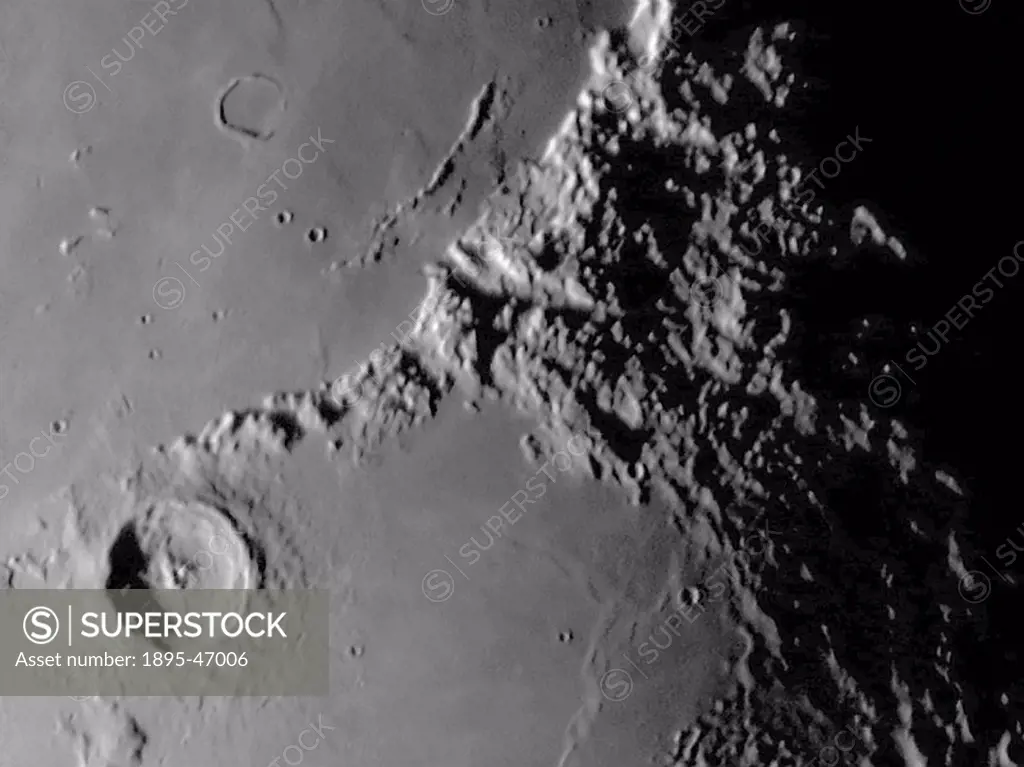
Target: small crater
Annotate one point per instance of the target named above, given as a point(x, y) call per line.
point(316, 235)
point(251, 107)
point(102, 218)
point(283, 217)
point(690, 597)
point(68, 245)
point(77, 155)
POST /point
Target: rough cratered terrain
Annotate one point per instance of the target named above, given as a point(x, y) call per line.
point(737, 568)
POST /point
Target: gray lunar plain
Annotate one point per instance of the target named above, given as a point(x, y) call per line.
point(474, 314)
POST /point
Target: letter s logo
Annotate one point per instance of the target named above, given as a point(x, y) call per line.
point(45, 623)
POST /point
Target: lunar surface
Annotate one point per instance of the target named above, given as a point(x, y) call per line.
point(542, 359)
